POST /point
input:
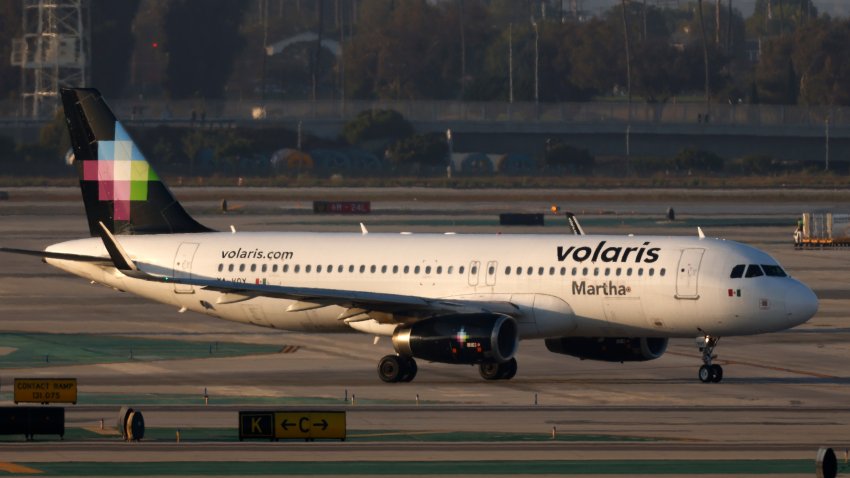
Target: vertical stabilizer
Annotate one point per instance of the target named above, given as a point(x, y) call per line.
point(120, 188)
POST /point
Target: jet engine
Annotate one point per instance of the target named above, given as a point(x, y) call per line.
point(608, 349)
point(459, 338)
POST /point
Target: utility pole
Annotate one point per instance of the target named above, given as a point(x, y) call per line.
point(510, 63)
point(536, 63)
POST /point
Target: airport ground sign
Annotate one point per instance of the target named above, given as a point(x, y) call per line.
point(45, 390)
point(303, 425)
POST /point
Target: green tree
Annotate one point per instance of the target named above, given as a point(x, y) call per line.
point(371, 125)
point(202, 41)
point(421, 150)
point(111, 44)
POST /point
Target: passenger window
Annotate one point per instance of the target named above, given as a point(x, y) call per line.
point(286, 268)
point(753, 270)
point(607, 271)
point(508, 270)
point(574, 271)
point(220, 267)
point(519, 271)
point(395, 269)
point(339, 268)
point(563, 271)
point(773, 271)
point(406, 269)
point(584, 271)
point(491, 270)
point(737, 271)
point(662, 272)
point(383, 269)
point(629, 272)
point(640, 271)
point(230, 268)
point(460, 270)
point(330, 269)
point(619, 271)
point(297, 268)
point(318, 268)
point(427, 269)
point(450, 270)
point(530, 271)
point(551, 271)
point(362, 268)
point(439, 269)
point(265, 268)
point(274, 268)
point(596, 271)
point(651, 272)
point(540, 271)
point(416, 270)
point(241, 267)
point(307, 268)
point(372, 269)
point(473, 270)
point(351, 268)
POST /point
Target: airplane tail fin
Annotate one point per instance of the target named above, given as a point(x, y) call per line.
point(119, 186)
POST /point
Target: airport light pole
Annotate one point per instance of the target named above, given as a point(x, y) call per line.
point(510, 63)
point(536, 62)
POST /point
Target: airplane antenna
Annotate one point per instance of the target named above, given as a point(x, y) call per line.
point(700, 233)
point(232, 229)
point(363, 229)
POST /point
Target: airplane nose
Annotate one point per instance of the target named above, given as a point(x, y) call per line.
point(801, 304)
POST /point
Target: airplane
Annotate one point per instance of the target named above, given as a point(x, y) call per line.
point(448, 298)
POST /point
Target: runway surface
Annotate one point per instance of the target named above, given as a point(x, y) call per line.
point(783, 395)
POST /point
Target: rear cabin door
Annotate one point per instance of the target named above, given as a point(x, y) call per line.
point(183, 266)
point(687, 274)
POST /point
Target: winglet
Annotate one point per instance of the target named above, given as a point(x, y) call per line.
point(574, 225)
point(700, 233)
point(119, 258)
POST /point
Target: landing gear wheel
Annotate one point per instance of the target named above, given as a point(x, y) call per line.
point(397, 368)
point(716, 373)
point(498, 371)
point(509, 369)
point(390, 368)
point(709, 373)
point(410, 369)
point(705, 374)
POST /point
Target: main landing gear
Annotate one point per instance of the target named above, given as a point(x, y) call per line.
point(709, 372)
point(397, 368)
point(498, 371)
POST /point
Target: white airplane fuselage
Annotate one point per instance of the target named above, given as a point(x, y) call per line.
point(558, 285)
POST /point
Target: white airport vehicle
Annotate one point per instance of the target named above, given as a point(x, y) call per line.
point(450, 298)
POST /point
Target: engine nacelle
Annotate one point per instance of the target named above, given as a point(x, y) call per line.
point(459, 338)
point(620, 349)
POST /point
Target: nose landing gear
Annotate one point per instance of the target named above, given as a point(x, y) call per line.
point(709, 373)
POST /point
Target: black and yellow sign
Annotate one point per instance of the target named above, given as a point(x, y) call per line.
point(256, 425)
point(45, 390)
point(304, 425)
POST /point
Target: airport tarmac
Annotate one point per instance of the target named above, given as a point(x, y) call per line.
point(783, 395)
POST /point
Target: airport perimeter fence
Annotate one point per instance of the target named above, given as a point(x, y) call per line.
point(238, 111)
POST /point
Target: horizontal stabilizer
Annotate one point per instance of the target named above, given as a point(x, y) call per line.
point(57, 255)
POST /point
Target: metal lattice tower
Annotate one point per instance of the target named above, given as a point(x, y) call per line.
point(53, 52)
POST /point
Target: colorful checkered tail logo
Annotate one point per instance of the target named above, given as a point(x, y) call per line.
point(120, 188)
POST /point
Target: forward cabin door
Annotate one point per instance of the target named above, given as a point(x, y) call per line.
point(183, 266)
point(687, 274)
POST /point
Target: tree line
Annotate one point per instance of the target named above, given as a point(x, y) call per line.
point(786, 52)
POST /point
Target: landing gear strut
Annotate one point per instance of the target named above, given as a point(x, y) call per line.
point(709, 372)
point(397, 368)
point(498, 371)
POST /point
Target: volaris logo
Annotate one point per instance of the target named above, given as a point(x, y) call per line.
point(121, 171)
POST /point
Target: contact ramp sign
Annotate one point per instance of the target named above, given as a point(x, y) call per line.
point(45, 390)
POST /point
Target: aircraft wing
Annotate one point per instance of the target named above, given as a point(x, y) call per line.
point(59, 255)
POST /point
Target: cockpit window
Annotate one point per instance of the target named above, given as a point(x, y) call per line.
point(753, 270)
point(773, 271)
point(738, 271)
